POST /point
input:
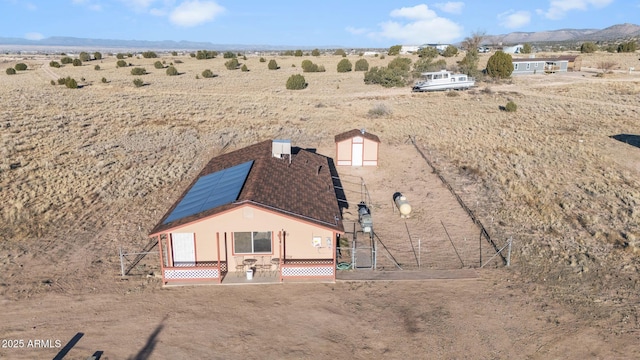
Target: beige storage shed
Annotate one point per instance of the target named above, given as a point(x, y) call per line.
point(357, 148)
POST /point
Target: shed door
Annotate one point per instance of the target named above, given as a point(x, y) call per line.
point(184, 251)
point(356, 154)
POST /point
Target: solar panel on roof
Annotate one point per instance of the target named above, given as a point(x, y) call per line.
point(210, 191)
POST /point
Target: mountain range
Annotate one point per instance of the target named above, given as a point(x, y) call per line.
point(612, 33)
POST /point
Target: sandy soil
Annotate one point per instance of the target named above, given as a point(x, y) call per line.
point(84, 172)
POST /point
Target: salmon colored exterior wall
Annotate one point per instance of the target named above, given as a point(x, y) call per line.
point(369, 153)
point(298, 234)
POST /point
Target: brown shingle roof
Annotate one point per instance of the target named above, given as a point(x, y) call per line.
point(355, 132)
point(302, 188)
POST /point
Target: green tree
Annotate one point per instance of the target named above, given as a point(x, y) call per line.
point(362, 65)
point(296, 82)
point(469, 64)
point(401, 63)
point(427, 64)
point(229, 55)
point(158, 65)
point(500, 65)
point(20, 66)
point(344, 66)
point(394, 50)
point(472, 43)
point(66, 60)
point(526, 49)
point(340, 52)
point(70, 83)
point(84, 56)
point(120, 56)
point(315, 52)
point(97, 55)
point(54, 64)
point(628, 47)
point(77, 62)
point(588, 47)
point(273, 65)
point(205, 54)
point(138, 71)
point(172, 71)
point(450, 51)
point(298, 53)
point(387, 77)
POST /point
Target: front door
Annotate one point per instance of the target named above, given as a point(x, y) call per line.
point(184, 251)
point(356, 154)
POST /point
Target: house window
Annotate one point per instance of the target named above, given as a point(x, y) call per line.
point(528, 66)
point(536, 65)
point(515, 66)
point(255, 242)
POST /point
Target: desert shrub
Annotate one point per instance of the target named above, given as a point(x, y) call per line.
point(263, 60)
point(174, 53)
point(628, 47)
point(298, 53)
point(401, 63)
point(427, 64)
point(244, 68)
point(70, 83)
point(340, 52)
point(428, 52)
point(178, 61)
point(232, 64)
point(511, 106)
point(362, 65)
point(149, 55)
point(120, 56)
point(308, 66)
point(378, 111)
point(273, 65)
point(138, 82)
point(500, 65)
point(84, 56)
point(344, 66)
point(315, 52)
point(158, 65)
point(20, 66)
point(97, 55)
point(387, 77)
point(450, 51)
point(121, 63)
point(172, 71)
point(66, 60)
point(138, 71)
point(206, 54)
point(11, 71)
point(296, 82)
point(606, 66)
point(54, 64)
point(381, 56)
point(53, 82)
point(526, 49)
point(208, 74)
point(61, 81)
point(453, 93)
point(588, 47)
point(77, 62)
point(229, 55)
point(97, 67)
point(244, 57)
point(394, 50)
point(469, 64)
point(104, 80)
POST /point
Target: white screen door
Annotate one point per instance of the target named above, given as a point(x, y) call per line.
point(184, 251)
point(356, 155)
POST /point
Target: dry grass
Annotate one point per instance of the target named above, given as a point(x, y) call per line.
point(548, 175)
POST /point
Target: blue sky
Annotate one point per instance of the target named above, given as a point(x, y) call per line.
point(349, 23)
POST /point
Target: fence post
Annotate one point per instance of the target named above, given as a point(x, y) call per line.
point(121, 262)
point(509, 252)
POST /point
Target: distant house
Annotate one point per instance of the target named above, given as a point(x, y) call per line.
point(266, 208)
point(409, 49)
point(440, 47)
point(530, 66)
point(516, 49)
point(357, 148)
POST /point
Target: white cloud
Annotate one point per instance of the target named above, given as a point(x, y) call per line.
point(138, 4)
point(452, 7)
point(514, 19)
point(558, 8)
point(91, 5)
point(424, 26)
point(356, 31)
point(195, 12)
point(33, 36)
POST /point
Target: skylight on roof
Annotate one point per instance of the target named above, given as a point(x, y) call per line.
point(212, 190)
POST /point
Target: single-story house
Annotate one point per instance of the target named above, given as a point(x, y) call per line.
point(357, 148)
point(409, 49)
point(266, 208)
point(516, 49)
point(545, 65)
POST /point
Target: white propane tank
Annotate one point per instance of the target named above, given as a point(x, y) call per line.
point(402, 204)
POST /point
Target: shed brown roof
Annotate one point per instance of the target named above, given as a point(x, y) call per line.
point(355, 132)
point(302, 188)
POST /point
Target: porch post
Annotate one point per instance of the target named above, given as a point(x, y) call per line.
point(219, 265)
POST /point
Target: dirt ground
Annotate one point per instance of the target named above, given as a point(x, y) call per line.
point(85, 172)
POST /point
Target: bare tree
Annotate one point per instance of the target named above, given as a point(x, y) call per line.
point(606, 66)
point(473, 42)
